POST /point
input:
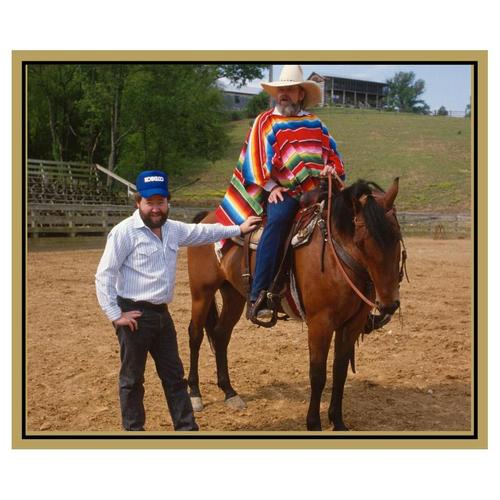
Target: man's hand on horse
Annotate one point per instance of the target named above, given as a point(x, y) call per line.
point(328, 169)
point(276, 194)
point(128, 318)
point(250, 224)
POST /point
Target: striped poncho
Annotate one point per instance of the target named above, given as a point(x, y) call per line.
point(291, 151)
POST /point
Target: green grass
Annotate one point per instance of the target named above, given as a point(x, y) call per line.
point(430, 154)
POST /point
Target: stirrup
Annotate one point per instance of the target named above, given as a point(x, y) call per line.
point(263, 311)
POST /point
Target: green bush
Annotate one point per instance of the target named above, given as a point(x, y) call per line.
point(257, 104)
point(236, 114)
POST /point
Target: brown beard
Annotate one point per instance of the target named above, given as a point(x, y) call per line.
point(154, 225)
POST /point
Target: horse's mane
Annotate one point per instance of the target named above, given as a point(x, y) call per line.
point(200, 216)
point(374, 215)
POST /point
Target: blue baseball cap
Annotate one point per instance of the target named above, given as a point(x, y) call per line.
point(152, 182)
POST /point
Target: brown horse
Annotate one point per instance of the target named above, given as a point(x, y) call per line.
point(364, 225)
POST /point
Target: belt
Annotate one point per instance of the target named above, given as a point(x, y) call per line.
point(143, 304)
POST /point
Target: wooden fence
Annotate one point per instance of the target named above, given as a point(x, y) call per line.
point(50, 170)
point(435, 225)
point(46, 219)
point(74, 183)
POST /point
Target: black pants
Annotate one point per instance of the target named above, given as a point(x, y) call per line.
point(155, 334)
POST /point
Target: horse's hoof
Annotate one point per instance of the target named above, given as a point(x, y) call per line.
point(313, 425)
point(235, 403)
point(197, 403)
point(341, 427)
point(315, 428)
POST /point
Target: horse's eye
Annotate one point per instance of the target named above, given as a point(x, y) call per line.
point(359, 243)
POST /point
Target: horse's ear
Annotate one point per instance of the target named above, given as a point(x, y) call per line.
point(391, 194)
point(362, 200)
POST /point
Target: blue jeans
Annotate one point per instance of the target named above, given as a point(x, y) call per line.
point(155, 334)
point(279, 222)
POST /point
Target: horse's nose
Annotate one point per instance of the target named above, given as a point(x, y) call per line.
point(390, 309)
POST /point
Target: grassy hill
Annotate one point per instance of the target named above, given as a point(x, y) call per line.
point(431, 155)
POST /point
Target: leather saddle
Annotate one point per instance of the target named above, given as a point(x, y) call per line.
point(300, 234)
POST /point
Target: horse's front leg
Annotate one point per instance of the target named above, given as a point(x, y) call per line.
point(344, 351)
point(320, 337)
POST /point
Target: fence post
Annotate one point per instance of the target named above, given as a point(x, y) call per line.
point(33, 224)
point(71, 224)
point(105, 221)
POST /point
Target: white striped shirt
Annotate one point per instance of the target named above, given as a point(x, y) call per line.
point(137, 265)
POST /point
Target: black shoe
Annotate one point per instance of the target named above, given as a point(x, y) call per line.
point(264, 314)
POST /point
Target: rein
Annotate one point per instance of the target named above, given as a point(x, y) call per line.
point(404, 255)
point(335, 255)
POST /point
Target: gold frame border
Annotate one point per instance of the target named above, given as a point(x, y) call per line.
point(352, 440)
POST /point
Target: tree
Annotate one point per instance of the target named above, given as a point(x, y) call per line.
point(80, 106)
point(442, 111)
point(467, 110)
point(93, 111)
point(256, 104)
point(403, 93)
point(127, 116)
point(101, 108)
point(240, 74)
point(53, 91)
point(177, 117)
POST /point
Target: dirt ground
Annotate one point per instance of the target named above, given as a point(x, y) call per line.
point(412, 375)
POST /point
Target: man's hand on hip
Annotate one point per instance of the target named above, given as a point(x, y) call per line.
point(250, 224)
point(128, 319)
point(277, 194)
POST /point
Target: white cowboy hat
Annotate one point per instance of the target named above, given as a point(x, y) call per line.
point(291, 74)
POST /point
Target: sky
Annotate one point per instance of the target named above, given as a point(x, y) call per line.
point(446, 85)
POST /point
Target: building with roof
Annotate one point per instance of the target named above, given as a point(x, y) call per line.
point(237, 99)
point(350, 92)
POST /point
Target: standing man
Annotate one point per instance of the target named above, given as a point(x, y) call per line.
point(285, 152)
point(135, 282)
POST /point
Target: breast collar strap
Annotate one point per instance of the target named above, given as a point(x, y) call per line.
point(350, 262)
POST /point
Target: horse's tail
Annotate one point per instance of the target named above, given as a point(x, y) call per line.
point(352, 359)
point(211, 321)
point(200, 216)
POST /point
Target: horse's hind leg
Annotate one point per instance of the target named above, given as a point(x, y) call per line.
point(202, 305)
point(232, 307)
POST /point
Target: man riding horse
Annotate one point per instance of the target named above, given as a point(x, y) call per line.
point(285, 153)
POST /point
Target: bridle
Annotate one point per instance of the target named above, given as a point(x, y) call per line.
point(336, 248)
